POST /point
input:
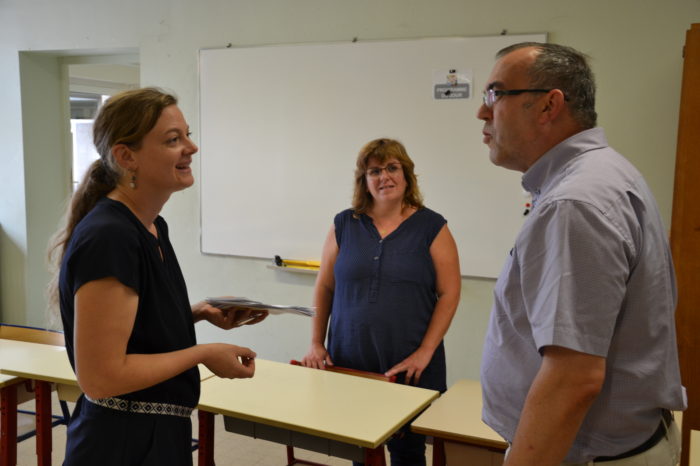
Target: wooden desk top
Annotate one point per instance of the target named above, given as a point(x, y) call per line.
point(45, 362)
point(456, 416)
point(330, 405)
point(6, 380)
point(36, 361)
point(205, 373)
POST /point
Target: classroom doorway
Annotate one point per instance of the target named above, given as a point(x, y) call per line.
point(90, 85)
point(47, 79)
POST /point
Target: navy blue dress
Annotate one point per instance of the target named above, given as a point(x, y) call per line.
point(384, 294)
point(111, 242)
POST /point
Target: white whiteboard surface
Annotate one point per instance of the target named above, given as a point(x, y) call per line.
point(281, 127)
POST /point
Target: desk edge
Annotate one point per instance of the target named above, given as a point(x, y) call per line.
point(466, 439)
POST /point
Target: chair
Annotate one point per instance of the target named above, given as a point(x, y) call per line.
point(27, 392)
point(291, 459)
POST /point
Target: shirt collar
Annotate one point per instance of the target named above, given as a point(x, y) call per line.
point(536, 177)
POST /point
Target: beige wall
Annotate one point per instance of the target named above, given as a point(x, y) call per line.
point(635, 45)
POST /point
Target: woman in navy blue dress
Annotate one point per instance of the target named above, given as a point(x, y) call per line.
point(128, 322)
point(389, 284)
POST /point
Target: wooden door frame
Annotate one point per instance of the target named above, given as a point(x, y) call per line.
point(685, 234)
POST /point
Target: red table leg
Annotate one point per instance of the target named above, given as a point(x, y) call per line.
point(206, 438)
point(43, 423)
point(375, 456)
point(438, 452)
point(8, 426)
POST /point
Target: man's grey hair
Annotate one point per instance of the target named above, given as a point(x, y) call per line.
point(564, 68)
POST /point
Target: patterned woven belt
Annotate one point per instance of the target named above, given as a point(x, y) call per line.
point(143, 407)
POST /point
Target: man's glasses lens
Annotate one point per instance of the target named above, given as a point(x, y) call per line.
point(492, 95)
point(489, 97)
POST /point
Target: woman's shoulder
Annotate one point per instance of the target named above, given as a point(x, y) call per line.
point(344, 215)
point(346, 220)
point(107, 221)
point(430, 215)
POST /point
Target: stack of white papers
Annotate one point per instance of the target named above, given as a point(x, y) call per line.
point(245, 303)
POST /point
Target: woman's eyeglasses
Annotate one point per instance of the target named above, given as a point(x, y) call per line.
point(376, 172)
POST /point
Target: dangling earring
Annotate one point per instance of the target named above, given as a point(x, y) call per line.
point(132, 183)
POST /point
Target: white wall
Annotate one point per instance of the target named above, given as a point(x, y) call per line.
point(104, 78)
point(45, 122)
point(636, 47)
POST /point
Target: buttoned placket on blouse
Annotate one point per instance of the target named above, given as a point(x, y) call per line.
point(374, 279)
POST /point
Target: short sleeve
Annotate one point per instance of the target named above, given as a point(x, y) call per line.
point(339, 224)
point(575, 264)
point(435, 224)
point(107, 250)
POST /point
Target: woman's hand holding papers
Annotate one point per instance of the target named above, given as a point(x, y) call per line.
point(227, 318)
point(248, 316)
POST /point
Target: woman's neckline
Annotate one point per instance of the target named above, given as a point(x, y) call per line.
point(386, 228)
point(135, 217)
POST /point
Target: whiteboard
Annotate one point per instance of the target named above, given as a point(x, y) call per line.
point(281, 127)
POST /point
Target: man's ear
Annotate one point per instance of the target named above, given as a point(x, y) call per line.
point(124, 157)
point(553, 105)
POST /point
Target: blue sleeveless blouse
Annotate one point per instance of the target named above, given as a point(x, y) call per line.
point(385, 294)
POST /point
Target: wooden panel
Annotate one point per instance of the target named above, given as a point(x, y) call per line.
point(459, 453)
point(685, 233)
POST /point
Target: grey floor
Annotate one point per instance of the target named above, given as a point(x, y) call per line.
point(229, 449)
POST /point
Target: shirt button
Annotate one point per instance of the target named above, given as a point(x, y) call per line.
point(376, 257)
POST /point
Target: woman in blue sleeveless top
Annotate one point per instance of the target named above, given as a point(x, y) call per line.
point(389, 284)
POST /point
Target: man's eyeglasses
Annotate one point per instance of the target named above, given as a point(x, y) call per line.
point(492, 95)
point(376, 172)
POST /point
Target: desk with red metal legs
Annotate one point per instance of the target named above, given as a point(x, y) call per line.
point(336, 414)
point(45, 365)
point(8, 419)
